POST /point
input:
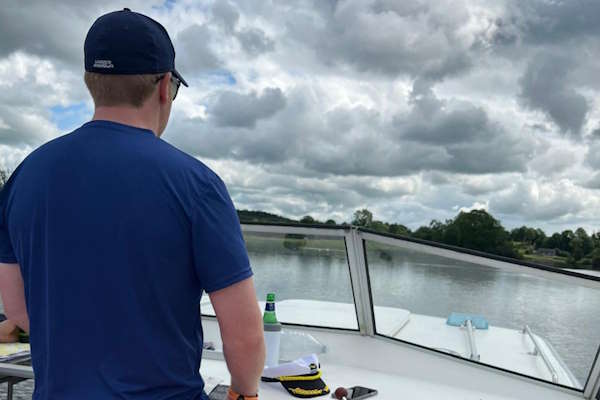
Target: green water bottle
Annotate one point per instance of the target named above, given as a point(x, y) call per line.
point(272, 329)
point(269, 317)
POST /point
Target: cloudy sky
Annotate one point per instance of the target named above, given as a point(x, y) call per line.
point(414, 109)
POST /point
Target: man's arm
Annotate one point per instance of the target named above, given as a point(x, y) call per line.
point(13, 295)
point(241, 327)
point(9, 332)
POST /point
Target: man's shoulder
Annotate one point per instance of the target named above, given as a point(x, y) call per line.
point(182, 161)
point(53, 146)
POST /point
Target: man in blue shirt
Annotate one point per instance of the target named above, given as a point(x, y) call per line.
point(109, 236)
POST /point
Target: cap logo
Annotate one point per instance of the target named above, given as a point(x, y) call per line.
point(103, 64)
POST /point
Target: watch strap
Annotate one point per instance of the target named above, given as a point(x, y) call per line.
point(232, 395)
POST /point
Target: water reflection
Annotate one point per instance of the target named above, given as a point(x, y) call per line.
point(294, 276)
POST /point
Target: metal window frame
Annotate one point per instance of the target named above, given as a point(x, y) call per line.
point(360, 283)
point(18, 371)
point(592, 386)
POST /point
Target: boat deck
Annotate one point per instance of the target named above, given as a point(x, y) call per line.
point(396, 370)
point(509, 349)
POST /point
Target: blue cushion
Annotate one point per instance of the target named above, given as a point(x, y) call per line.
point(458, 319)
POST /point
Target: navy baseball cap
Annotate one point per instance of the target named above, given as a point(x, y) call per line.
point(128, 43)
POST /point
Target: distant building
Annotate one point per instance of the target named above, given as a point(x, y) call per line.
point(545, 252)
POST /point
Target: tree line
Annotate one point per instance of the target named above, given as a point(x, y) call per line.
point(477, 230)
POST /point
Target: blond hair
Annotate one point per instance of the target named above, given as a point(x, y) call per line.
point(120, 90)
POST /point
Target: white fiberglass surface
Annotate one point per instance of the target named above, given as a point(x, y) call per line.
point(303, 267)
point(563, 315)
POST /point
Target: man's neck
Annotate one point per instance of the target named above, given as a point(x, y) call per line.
point(126, 115)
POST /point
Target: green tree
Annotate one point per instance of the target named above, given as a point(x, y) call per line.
point(293, 241)
point(586, 242)
point(478, 230)
point(540, 238)
point(362, 217)
point(553, 242)
point(399, 229)
point(565, 240)
point(379, 226)
point(576, 245)
point(423, 232)
point(596, 259)
point(439, 232)
point(532, 236)
point(307, 219)
point(330, 222)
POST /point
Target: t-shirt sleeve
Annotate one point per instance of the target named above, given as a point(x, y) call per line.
point(220, 255)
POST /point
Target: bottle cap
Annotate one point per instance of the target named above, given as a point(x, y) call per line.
point(271, 297)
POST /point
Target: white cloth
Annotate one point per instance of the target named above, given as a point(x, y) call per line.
point(300, 366)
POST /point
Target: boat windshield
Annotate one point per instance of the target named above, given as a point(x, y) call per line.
point(532, 322)
point(526, 319)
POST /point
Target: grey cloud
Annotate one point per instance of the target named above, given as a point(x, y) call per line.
point(254, 41)
point(51, 37)
point(505, 32)
point(479, 188)
point(53, 29)
point(593, 182)
point(195, 53)
point(554, 161)
point(377, 38)
point(458, 126)
point(24, 126)
point(551, 22)
point(437, 178)
point(519, 199)
point(351, 141)
point(225, 13)
point(358, 158)
point(326, 7)
point(272, 140)
point(545, 87)
point(401, 8)
point(470, 141)
point(243, 110)
point(543, 23)
point(592, 156)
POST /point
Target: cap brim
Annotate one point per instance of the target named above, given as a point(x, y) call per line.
point(306, 389)
point(305, 386)
point(178, 76)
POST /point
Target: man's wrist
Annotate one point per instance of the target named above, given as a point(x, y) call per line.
point(232, 395)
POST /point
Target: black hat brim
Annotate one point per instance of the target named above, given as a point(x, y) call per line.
point(306, 388)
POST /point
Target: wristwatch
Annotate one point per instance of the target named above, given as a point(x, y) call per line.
point(231, 395)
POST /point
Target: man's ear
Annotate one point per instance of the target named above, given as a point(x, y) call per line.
point(164, 88)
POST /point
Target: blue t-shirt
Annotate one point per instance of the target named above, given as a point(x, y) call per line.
point(117, 234)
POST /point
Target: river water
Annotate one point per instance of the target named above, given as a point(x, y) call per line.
point(565, 314)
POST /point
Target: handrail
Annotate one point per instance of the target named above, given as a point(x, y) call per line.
point(472, 345)
point(20, 371)
point(538, 350)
